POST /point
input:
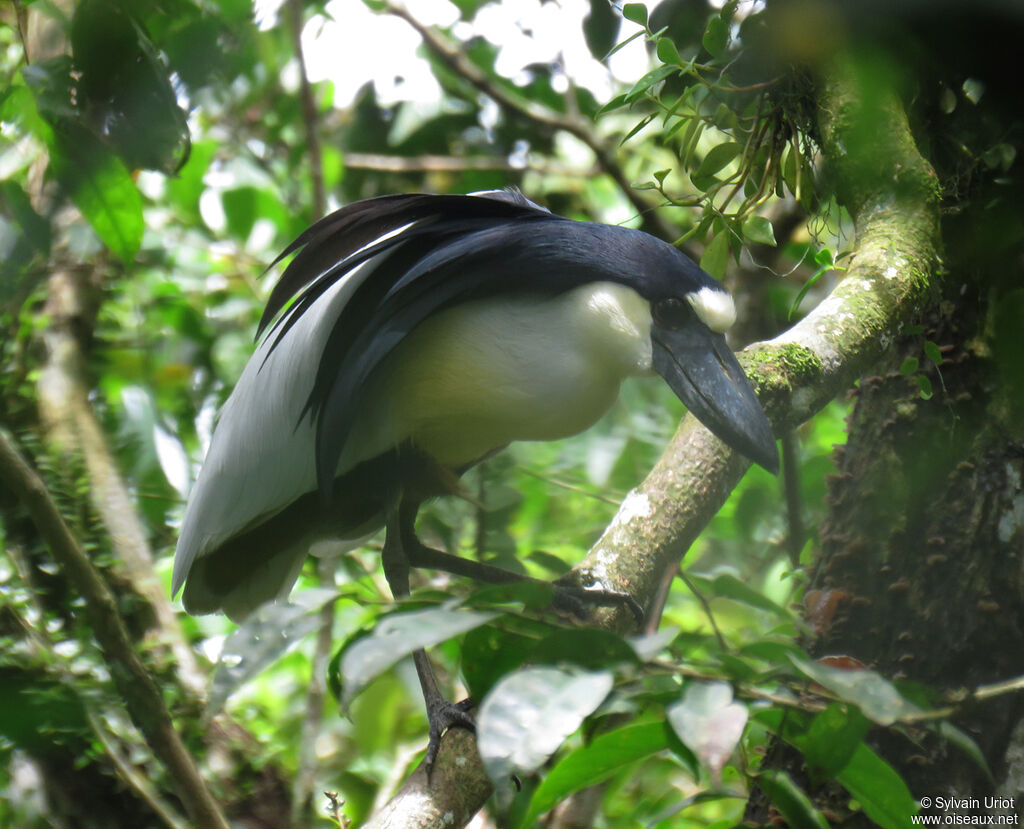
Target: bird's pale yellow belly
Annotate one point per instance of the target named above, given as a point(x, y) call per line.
point(481, 375)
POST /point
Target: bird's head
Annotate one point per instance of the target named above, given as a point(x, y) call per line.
point(689, 314)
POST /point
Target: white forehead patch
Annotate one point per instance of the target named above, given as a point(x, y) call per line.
point(714, 308)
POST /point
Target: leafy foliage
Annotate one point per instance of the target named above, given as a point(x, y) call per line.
point(163, 148)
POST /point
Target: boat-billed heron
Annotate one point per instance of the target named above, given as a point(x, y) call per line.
point(423, 334)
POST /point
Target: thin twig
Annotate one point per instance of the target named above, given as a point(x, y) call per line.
point(597, 496)
point(707, 609)
point(794, 504)
point(455, 59)
point(453, 164)
point(316, 166)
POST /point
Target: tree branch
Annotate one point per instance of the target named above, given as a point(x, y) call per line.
point(892, 194)
point(140, 692)
point(71, 425)
point(518, 107)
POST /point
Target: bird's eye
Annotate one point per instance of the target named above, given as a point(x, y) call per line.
point(671, 312)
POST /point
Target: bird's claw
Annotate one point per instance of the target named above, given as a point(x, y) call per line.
point(579, 600)
point(443, 715)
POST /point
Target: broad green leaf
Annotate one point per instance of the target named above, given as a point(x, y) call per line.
point(881, 792)
point(584, 647)
point(635, 12)
point(876, 696)
point(728, 586)
point(931, 351)
point(716, 36)
point(667, 52)
point(708, 722)
point(261, 641)
point(594, 762)
point(34, 229)
point(101, 187)
point(791, 801)
point(601, 27)
point(488, 654)
point(910, 365)
point(717, 158)
point(759, 229)
point(833, 737)
point(925, 386)
point(824, 257)
point(397, 636)
point(716, 256)
point(528, 715)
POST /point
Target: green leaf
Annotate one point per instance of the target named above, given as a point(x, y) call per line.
point(881, 792)
point(909, 366)
point(488, 654)
point(716, 256)
point(615, 103)
point(529, 714)
point(101, 187)
point(876, 696)
point(931, 351)
point(659, 176)
point(601, 27)
point(790, 800)
point(639, 126)
point(729, 586)
point(966, 744)
point(624, 43)
point(587, 648)
point(398, 635)
point(667, 52)
point(717, 158)
point(592, 763)
point(35, 230)
point(925, 385)
point(832, 739)
point(716, 37)
point(635, 12)
point(708, 722)
point(262, 640)
point(824, 257)
point(759, 229)
point(649, 80)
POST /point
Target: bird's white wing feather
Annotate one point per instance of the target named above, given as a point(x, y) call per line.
point(261, 454)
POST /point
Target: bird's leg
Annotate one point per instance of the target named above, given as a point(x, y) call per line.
point(441, 714)
point(569, 597)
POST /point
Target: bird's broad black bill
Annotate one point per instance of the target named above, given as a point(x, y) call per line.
point(702, 371)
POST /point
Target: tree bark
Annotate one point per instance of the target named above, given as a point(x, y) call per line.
point(892, 193)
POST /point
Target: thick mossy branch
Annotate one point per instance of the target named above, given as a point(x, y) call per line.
point(892, 194)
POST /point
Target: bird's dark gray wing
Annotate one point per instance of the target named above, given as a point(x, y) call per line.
point(325, 249)
point(426, 253)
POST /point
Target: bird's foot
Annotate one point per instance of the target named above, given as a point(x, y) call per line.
point(443, 715)
point(579, 601)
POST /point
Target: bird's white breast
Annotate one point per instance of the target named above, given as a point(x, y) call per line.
point(482, 374)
